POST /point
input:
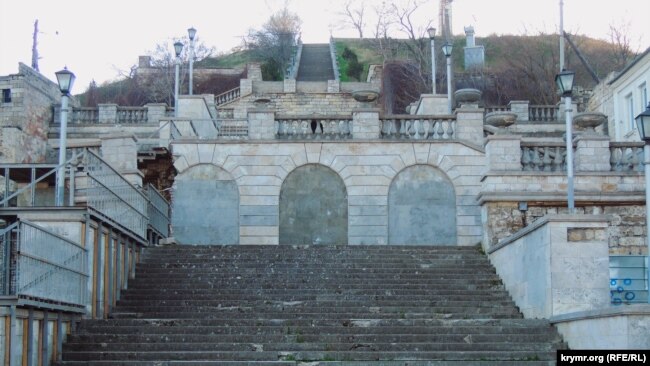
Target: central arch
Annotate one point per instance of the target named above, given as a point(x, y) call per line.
point(313, 207)
point(205, 206)
point(421, 207)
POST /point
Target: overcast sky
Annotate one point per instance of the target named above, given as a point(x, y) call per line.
point(98, 39)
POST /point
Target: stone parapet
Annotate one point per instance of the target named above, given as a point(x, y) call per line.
point(107, 113)
point(469, 124)
point(245, 87)
point(592, 153)
point(333, 86)
point(549, 270)
point(261, 124)
point(289, 85)
point(503, 152)
point(520, 108)
point(365, 124)
point(155, 111)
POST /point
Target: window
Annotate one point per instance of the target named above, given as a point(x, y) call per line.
point(629, 102)
point(6, 95)
point(643, 94)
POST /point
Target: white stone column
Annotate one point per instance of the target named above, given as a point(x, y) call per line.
point(333, 86)
point(245, 87)
point(120, 150)
point(469, 124)
point(155, 111)
point(107, 113)
point(365, 124)
point(592, 153)
point(261, 124)
point(289, 85)
point(520, 108)
point(503, 153)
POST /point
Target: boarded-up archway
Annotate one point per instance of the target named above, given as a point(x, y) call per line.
point(421, 208)
point(313, 207)
point(205, 207)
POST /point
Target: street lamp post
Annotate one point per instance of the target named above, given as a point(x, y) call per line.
point(446, 49)
point(65, 79)
point(643, 124)
point(178, 48)
point(564, 81)
point(191, 33)
point(432, 34)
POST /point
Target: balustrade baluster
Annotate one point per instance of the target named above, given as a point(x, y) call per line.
point(638, 155)
point(613, 151)
point(559, 161)
point(416, 129)
point(546, 161)
point(427, 127)
point(402, 129)
point(525, 158)
point(304, 128)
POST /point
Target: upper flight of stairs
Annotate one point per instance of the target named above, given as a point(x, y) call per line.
point(327, 305)
point(315, 63)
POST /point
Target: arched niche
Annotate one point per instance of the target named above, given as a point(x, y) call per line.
point(421, 208)
point(313, 207)
point(205, 206)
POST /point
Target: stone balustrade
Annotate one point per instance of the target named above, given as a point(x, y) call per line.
point(626, 156)
point(227, 96)
point(534, 113)
point(418, 127)
point(543, 156)
point(362, 124)
point(113, 114)
point(310, 128)
point(592, 153)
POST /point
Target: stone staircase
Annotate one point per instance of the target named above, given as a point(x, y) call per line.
point(315, 63)
point(318, 305)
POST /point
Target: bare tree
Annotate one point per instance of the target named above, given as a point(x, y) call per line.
point(353, 15)
point(275, 42)
point(622, 51)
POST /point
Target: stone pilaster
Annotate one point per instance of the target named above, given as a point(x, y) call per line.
point(155, 111)
point(107, 113)
point(503, 153)
point(592, 153)
point(333, 86)
point(520, 108)
point(469, 124)
point(245, 87)
point(120, 150)
point(261, 124)
point(289, 85)
point(365, 124)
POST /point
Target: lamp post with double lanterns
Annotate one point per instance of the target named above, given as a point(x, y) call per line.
point(432, 35)
point(191, 33)
point(643, 125)
point(65, 79)
point(446, 49)
point(178, 48)
point(564, 81)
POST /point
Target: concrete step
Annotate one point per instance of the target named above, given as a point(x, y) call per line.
point(314, 305)
point(309, 356)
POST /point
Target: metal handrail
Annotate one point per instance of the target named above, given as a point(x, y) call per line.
point(5, 201)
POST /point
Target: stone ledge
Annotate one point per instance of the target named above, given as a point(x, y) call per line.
point(617, 197)
point(564, 218)
point(621, 310)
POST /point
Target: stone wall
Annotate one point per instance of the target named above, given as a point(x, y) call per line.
point(366, 167)
point(27, 117)
point(292, 104)
point(625, 233)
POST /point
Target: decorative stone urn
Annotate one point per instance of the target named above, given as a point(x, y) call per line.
point(467, 96)
point(365, 96)
point(500, 119)
point(588, 121)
